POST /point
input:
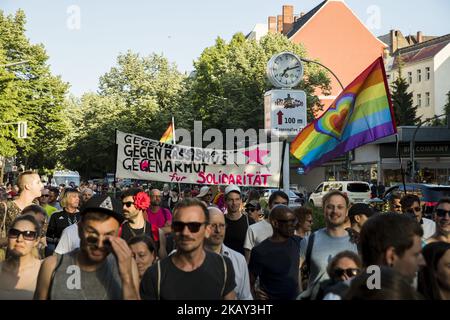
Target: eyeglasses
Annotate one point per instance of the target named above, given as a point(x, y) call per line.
point(193, 227)
point(288, 221)
point(93, 241)
point(350, 272)
point(441, 213)
point(128, 203)
point(27, 235)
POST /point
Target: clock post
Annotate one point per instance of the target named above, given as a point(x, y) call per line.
point(284, 107)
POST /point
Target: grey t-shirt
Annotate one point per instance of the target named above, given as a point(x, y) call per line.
point(325, 247)
point(72, 283)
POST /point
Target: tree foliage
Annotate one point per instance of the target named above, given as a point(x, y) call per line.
point(138, 95)
point(29, 92)
point(405, 112)
point(229, 81)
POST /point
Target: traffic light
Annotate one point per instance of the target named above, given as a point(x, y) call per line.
point(409, 168)
point(22, 129)
point(416, 167)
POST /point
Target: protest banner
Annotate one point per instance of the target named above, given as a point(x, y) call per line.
point(146, 159)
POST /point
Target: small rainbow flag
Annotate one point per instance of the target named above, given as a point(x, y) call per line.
point(168, 135)
point(362, 113)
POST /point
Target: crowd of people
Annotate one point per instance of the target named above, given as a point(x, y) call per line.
point(82, 243)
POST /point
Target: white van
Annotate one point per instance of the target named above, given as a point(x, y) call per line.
point(356, 191)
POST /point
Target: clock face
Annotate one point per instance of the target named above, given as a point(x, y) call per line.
point(285, 70)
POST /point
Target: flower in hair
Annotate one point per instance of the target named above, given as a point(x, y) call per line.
point(141, 201)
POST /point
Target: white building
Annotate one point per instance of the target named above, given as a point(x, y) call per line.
point(426, 68)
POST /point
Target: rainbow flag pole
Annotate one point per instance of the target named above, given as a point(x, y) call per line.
point(361, 114)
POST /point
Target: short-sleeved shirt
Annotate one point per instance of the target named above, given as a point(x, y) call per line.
point(70, 240)
point(204, 283)
point(277, 264)
point(160, 217)
point(257, 233)
point(49, 209)
point(236, 232)
point(325, 247)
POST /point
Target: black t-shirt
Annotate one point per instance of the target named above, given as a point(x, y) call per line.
point(204, 283)
point(236, 232)
point(128, 232)
point(277, 265)
point(59, 221)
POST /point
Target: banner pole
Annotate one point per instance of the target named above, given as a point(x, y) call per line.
point(115, 163)
point(174, 142)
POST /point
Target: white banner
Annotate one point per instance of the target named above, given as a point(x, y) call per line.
point(147, 159)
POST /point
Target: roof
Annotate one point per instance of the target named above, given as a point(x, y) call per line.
point(304, 19)
point(421, 51)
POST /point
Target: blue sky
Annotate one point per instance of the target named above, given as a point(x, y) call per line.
point(181, 29)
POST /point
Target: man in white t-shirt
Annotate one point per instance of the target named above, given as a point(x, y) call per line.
point(69, 241)
point(260, 231)
point(411, 205)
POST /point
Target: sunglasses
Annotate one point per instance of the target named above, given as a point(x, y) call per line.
point(128, 203)
point(396, 206)
point(441, 213)
point(193, 227)
point(27, 235)
point(93, 241)
point(350, 272)
point(45, 195)
point(416, 209)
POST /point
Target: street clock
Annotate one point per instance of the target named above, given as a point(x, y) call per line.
point(285, 70)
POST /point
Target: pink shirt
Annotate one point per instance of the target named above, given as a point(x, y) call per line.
point(160, 217)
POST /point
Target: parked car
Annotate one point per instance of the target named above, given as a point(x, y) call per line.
point(429, 194)
point(356, 191)
point(294, 200)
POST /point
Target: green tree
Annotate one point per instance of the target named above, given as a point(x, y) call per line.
point(37, 97)
point(405, 112)
point(228, 84)
point(138, 95)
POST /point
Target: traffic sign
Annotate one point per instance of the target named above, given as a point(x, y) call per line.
point(22, 129)
point(285, 112)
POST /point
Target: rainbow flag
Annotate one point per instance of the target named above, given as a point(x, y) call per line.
point(362, 113)
point(168, 135)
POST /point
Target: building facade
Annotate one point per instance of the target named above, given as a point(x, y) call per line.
point(426, 68)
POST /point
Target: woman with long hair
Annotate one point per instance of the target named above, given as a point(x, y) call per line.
point(434, 278)
point(19, 271)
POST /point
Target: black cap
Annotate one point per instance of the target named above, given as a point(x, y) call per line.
point(105, 204)
point(361, 208)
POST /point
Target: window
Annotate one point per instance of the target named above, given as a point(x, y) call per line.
point(358, 187)
point(427, 99)
point(427, 71)
point(419, 100)
point(409, 77)
point(388, 76)
point(419, 75)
